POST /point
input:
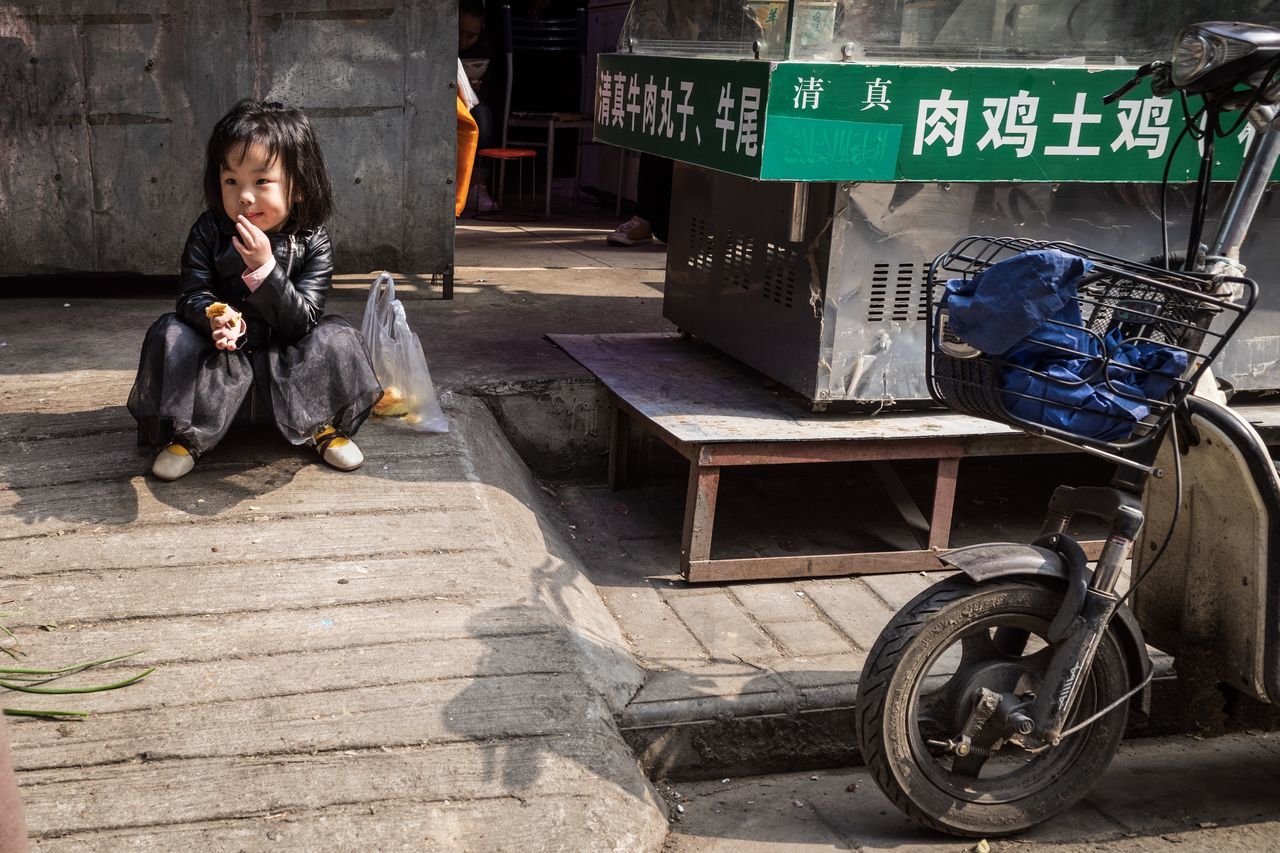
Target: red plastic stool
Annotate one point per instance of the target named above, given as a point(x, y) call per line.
point(502, 156)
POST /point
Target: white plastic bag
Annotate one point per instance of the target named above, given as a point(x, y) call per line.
point(408, 396)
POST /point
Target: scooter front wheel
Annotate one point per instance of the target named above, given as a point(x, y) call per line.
point(953, 644)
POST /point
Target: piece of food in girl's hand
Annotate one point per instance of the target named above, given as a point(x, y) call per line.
point(222, 309)
point(391, 404)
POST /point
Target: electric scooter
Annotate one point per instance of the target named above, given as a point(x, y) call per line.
point(996, 698)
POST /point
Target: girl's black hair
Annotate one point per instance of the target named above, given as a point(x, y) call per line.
point(285, 133)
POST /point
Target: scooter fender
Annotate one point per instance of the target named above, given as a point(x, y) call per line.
point(1002, 559)
point(995, 560)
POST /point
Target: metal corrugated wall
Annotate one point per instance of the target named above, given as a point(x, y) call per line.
point(107, 107)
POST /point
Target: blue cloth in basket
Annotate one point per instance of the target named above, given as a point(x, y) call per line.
point(1001, 305)
point(1034, 294)
point(1078, 395)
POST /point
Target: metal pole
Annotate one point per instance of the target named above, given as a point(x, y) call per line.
point(1259, 162)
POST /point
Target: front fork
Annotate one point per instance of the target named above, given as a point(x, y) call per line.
point(1080, 626)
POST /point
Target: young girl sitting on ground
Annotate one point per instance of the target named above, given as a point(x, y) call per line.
point(248, 342)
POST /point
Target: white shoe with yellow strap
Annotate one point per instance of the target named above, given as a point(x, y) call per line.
point(173, 462)
point(337, 450)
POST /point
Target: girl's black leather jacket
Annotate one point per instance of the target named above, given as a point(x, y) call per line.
point(286, 306)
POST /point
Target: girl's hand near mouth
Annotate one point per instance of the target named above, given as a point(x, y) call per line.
point(253, 245)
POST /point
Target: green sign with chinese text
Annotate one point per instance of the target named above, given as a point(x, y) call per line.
point(802, 121)
point(704, 111)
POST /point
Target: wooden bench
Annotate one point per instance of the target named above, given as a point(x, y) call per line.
point(717, 413)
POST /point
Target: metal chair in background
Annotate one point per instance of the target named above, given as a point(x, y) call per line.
point(544, 37)
point(502, 213)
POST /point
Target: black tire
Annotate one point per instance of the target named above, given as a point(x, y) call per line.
point(894, 742)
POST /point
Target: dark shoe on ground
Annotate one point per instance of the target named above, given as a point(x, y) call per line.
point(633, 232)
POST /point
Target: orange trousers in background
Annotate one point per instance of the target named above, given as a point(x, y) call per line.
point(468, 139)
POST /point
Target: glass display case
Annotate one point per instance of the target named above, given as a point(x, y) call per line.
point(1097, 32)
point(827, 150)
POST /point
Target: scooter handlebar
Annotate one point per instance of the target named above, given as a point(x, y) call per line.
point(1161, 83)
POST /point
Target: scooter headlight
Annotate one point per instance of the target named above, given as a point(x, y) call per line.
point(1200, 50)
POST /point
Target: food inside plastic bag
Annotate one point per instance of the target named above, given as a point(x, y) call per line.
point(408, 395)
point(391, 404)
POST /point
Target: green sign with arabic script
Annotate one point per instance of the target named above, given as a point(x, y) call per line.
point(801, 121)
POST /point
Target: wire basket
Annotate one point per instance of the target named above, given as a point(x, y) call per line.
point(1111, 382)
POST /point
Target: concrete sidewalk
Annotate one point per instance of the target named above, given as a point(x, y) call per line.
point(405, 657)
point(1159, 794)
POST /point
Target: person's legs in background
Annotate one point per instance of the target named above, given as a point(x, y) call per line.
point(653, 204)
point(481, 177)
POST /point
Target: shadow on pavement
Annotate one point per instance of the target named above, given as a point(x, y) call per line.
point(564, 716)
